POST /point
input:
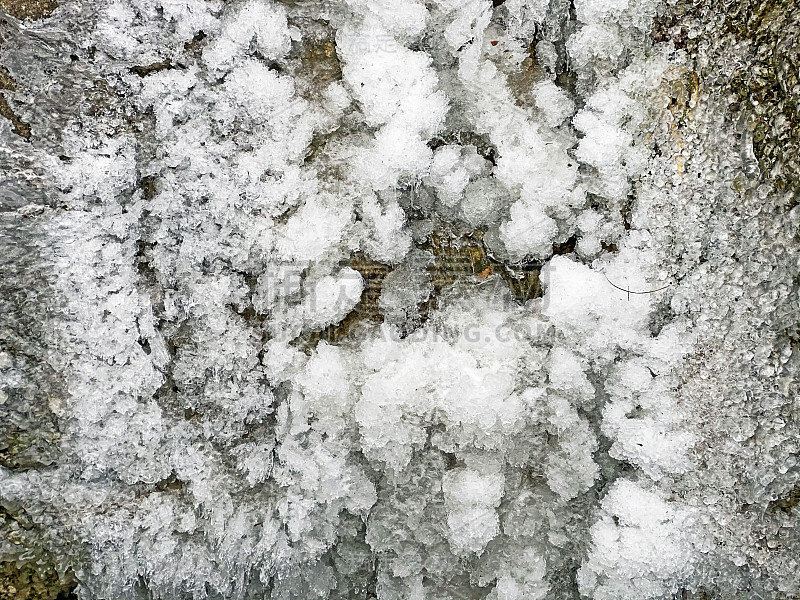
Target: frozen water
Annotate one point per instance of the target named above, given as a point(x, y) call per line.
point(397, 300)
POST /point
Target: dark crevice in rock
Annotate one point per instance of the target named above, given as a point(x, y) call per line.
point(786, 503)
point(30, 573)
point(30, 10)
point(482, 143)
point(366, 311)
point(457, 258)
point(195, 45)
point(145, 70)
point(314, 57)
point(34, 582)
point(20, 127)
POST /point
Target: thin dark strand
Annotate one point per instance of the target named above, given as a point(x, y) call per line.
point(632, 292)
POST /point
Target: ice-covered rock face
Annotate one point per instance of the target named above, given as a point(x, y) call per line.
point(397, 300)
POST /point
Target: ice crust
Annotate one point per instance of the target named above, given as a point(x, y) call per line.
point(611, 437)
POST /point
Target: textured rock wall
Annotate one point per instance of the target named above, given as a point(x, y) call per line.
point(413, 300)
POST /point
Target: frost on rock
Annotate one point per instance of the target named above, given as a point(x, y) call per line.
point(641, 546)
point(470, 498)
point(555, 104)
point(398, 300)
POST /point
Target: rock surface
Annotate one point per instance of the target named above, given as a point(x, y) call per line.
point(355, 299)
